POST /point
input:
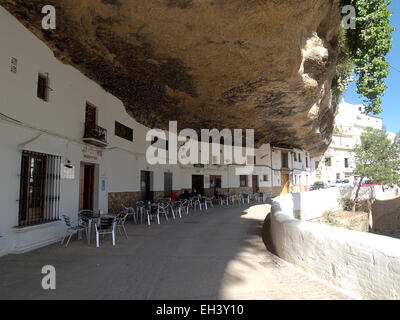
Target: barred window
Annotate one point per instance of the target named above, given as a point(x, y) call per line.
point(39, 188)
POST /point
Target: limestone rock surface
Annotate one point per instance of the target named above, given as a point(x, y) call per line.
point(262, 64)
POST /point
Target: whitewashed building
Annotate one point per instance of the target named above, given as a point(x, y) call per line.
point(338, 163)
point(66, 145)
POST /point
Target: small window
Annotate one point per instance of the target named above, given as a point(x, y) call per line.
point(295, 157)
point(346, 163)
point(42, 87)
point(266, 178)
point(243, 181)
point(123, 131)
point(328, 162)
point(299, 157)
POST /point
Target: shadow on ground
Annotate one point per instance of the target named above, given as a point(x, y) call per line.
point(214, 254)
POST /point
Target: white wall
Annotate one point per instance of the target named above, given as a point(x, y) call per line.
point(363, 265)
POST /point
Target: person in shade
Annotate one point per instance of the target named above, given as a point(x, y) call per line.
point(174, 197)
point(216, 193)
point(185, 195)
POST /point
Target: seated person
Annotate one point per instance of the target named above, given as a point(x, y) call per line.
point(195, 193)
point(174, 197)
point(216, 194)
point(185, 195)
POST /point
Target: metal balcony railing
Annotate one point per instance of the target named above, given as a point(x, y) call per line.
point(93, 131)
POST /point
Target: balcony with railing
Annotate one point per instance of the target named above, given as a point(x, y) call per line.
point(95, 135)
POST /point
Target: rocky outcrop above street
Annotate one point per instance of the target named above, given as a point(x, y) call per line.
point(262, 64)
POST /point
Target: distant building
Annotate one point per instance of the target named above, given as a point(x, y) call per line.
point(338, 163)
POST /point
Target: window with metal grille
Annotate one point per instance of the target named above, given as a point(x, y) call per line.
point(39, 188)
point(244, 181)
point(123, 131)
point(42, 87)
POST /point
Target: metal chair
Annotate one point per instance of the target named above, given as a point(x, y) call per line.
point(72, 229)
point(209, 202)
point(130, 211)
point(153, 211)
point(105, 225)
point(223, 200)
point(141, 208)
point(176, 207)
point(185, 206)
point(121, 219)
point(163, 208)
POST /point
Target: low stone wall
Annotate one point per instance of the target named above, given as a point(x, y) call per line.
point(363, 265)
point(386, 216)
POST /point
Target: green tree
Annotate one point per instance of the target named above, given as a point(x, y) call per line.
point(365, 47)
point(377, 158)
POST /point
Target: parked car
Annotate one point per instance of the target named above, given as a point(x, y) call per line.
point(319, 186)
point(369, 183)
point(343, 183)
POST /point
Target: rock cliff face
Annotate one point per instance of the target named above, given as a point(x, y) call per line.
point(262, 64)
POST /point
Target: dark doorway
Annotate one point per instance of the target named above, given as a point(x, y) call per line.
point(255, 184)
point(145, 186)
point(86, 186)
point(198, 183)
point(215, 183)
point(167, 184)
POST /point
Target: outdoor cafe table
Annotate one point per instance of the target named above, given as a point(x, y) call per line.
point(90, 219)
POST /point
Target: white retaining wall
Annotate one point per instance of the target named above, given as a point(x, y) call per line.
point(364, 265)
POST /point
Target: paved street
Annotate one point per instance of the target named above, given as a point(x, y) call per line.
point(218, 254)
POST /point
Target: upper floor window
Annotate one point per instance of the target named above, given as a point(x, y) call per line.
point(43, 87)
point(299, 157)
point(285, 160)
point(295, 156)
point(346, 163)
point(90, 114)
point(328, 162)
point(123, 131)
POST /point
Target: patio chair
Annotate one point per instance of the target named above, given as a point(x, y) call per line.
point(223, 200)
point(130, 211)
point(209, 202)
point(141, 209)
point(245, 198)
point(176, 207)
point(105, 225)
point(163, 208)
point(71, 229)
point(153, 211)
point(121, 218)
point(185, 206)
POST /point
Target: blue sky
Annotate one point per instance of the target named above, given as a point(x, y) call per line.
point(391, 99)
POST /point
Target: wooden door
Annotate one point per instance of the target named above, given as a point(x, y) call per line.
point(198, 183)
point(285, 184)
point(86, 186)
point(255, 184)
point(90, 115)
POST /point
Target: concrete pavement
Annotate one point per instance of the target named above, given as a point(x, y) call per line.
point(217, 254)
